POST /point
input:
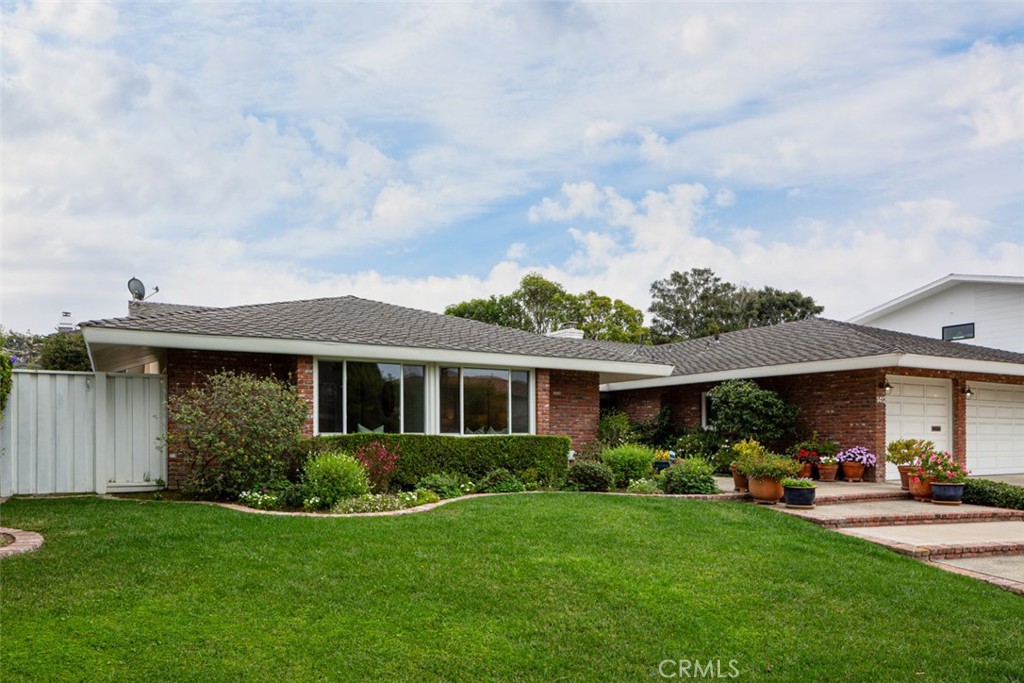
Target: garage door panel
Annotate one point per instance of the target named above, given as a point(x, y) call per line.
point(914, 407)
point(995, 429)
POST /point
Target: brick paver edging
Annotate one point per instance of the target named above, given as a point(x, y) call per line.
point(945, 551)
point(948, 515)
point(24, 542)
point(1007, 584)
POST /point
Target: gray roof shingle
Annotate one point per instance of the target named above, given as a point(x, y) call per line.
point(816, 339)
point(353, 320)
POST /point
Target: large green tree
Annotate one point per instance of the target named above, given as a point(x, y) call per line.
point(698, 303)
point(540, 305)
point(64, 351)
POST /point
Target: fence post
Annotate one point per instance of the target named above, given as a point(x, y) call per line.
point(100, 452)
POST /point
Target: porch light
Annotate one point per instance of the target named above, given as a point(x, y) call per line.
point(967, 391)
point(886, 386)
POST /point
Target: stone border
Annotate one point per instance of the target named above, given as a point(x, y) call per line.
point(1006, 584)
point(24, 542)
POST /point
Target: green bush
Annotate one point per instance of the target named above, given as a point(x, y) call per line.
point(690, 475)
point(615, 429)
point(446, 485)
point(333, 476)
point(628, 462)
point(6, 381)
point(233, 433)
point(742, 410)
point(501, 480)
point(644, 486)
point(590, 475)
point(993, 493)
point(473, 457)
point(658, 431)
point(64, 351)
point(384, 502)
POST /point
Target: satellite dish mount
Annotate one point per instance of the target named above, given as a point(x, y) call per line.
point(138, 290)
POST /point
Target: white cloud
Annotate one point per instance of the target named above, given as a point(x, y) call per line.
point(517, 250)
point(725, 197)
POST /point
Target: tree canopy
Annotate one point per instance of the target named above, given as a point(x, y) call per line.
point(698, 303)
point(540, 305)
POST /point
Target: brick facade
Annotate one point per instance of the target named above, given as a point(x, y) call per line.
point(568, 404)
point(844, 406)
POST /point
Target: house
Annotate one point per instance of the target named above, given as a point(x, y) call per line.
point(986, 310)
point(858, 385)
point(368, 366)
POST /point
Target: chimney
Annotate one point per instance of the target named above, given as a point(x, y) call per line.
point(65, 324)
point(567, 331)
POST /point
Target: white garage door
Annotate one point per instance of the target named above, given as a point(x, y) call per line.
point(995, 429)
point(917, 408)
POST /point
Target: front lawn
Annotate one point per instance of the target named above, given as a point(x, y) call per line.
point(540, 587)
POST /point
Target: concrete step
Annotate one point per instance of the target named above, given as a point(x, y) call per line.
point(901, 512)
point(948, 541)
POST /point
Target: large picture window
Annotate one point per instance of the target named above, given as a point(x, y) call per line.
point(370, 397)
point(484, 401)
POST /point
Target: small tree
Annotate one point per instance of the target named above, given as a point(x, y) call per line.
point(64, 351)
point(743, 410)
point(233, 433)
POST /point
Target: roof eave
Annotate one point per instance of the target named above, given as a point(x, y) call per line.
point(928, 290)
point(98, 338)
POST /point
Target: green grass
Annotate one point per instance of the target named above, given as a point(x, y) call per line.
point(537, 587)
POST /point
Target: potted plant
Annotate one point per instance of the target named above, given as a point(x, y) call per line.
point(812, 452)
point(903, 453)
point(741, 451)
point(854, 460)
point(948, 477)
point(807, 458)
point(828, 467)
point(662, 460)
point(765, 471)
point(798, 493)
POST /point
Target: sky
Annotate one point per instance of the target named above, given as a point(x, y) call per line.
point(428, 153)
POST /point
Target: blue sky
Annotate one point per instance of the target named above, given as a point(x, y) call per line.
point(424, 154)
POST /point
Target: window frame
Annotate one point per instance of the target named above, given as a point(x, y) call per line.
point(949, 332)
point(530, 397)
point(344, 392)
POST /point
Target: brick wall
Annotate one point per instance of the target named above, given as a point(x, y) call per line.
point(568, 404)
point(187, 368)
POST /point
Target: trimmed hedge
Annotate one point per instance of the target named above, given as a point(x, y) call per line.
point(472, 456)
point(994, 493)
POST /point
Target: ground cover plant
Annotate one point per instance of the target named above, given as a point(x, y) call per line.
point(535, 587)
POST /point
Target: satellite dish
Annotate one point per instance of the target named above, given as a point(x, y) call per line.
point(137, 289)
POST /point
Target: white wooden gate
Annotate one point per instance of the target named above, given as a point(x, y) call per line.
point(81, 432)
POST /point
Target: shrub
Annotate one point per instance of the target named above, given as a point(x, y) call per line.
point(647, 486)
point(233, 433)
point(657, 432)
point(332, 476)
point(501, 480)
point(615, 429)
point(628, 462)
point(690, 475)
point(275, 495)
point(993, 493)
point(424, 454)
point(5, 382)
point(590, 476)
point(64, 351)
point(906, 451)
point(446, 485)
point(742, 410)
point(755, 461)
point(380, 463)
point(384, 502)
point(260, 500)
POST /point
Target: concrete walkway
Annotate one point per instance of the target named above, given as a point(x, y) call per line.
point(982, 542)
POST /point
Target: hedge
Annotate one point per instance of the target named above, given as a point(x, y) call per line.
point(993, 493)
point(542, 458)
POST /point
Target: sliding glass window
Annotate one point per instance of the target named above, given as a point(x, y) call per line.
point(484, 401)
point(370, 397)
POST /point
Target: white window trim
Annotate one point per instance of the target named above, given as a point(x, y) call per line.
point(344, 392)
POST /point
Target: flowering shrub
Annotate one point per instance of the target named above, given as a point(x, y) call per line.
point(941, 468)
point(384, 502)
point(380, 463)
point(643, 486)
point(260, 500)
point(906, 451)
point(858, 454)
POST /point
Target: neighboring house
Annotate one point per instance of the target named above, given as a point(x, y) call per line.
point(986, 310)
point(368, 366)
point(859, 385)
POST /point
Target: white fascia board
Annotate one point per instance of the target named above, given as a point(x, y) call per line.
point(930, 289)
point(764, 371)
point(893, 360)
point(298, 347)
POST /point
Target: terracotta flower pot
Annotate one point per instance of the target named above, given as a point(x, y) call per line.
point(921, 489)
point(905, 471)
point(827, 472)
point(853, 471)
point(805, 470)
point(739, 480)
point(766, 490)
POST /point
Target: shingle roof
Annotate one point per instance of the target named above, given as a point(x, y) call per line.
point(353, 320)
point(816, 339)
